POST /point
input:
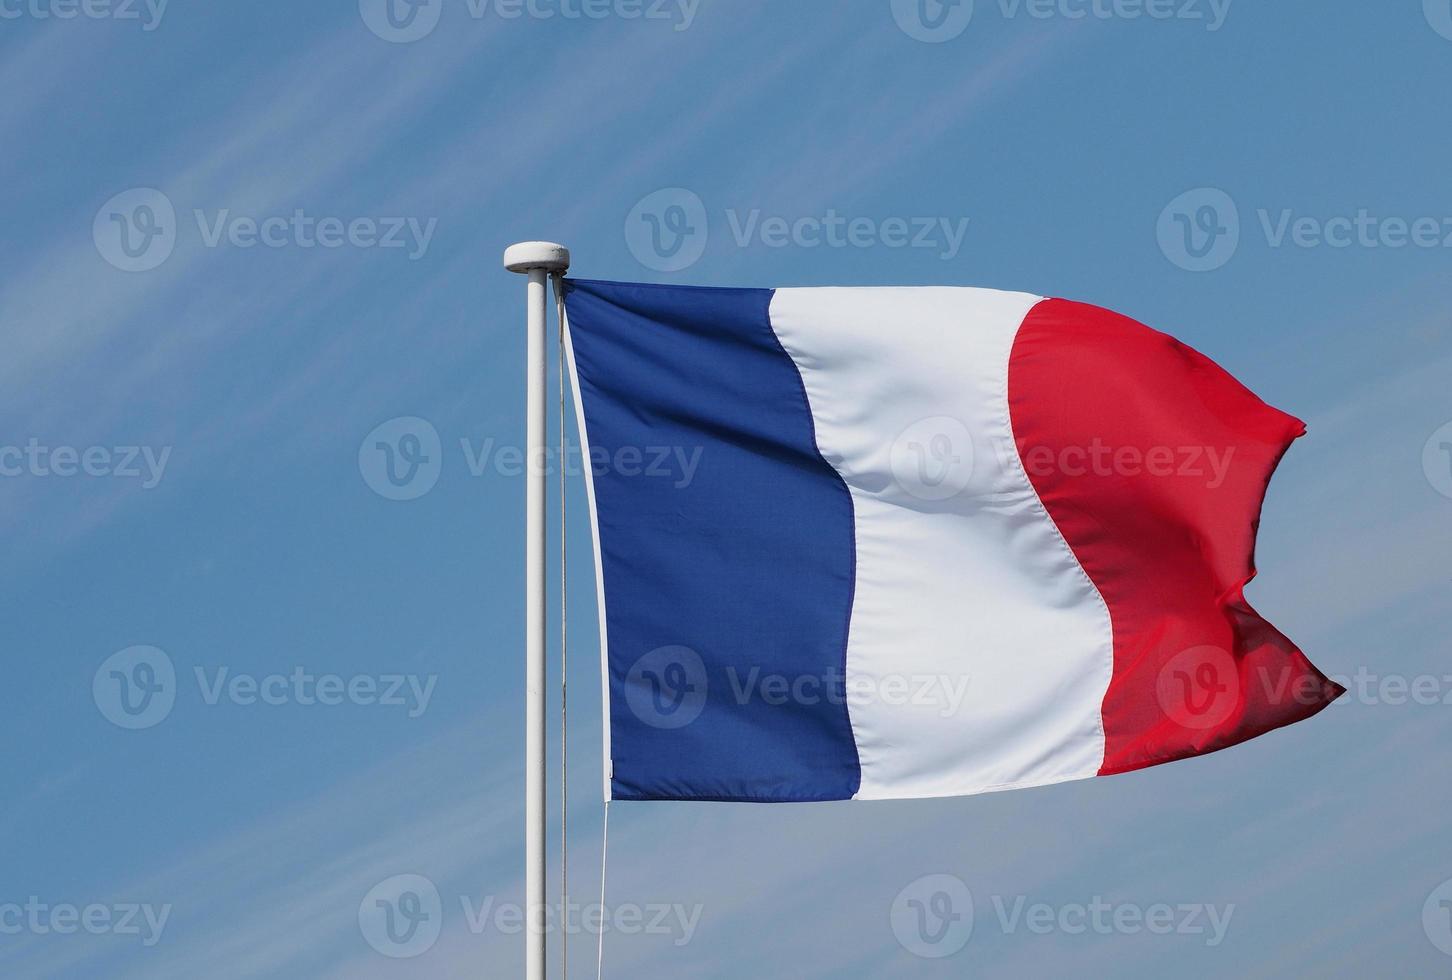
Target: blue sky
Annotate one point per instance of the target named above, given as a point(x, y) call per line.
point(183, 424)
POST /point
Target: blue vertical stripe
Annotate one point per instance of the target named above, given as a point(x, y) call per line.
point(726, 547)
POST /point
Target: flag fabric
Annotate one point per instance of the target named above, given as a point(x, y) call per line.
point(867, 543)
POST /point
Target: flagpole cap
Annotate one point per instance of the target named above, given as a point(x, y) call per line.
point(529, 256)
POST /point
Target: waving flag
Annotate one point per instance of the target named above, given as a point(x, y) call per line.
point(867, 543)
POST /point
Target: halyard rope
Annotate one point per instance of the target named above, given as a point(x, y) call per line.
point(564, 703)
point(564, 659)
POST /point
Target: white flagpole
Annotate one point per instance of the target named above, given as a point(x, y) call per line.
point(538, 260)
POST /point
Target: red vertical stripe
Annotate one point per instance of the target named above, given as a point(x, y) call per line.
point(1153, 461)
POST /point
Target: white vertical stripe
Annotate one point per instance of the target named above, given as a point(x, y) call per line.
point(979, 650)
point(595, 539)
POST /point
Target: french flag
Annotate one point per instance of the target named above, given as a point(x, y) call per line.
point(870, 543)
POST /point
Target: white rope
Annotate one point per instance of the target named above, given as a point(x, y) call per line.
point(564, 700)
point(604, 853)
point(564, 662)
point(564, 703)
